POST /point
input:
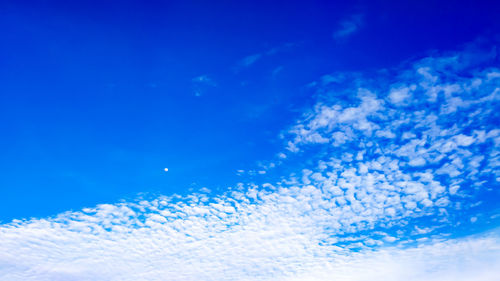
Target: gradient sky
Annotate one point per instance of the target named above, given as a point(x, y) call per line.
point(315, 106)
point(97, 97)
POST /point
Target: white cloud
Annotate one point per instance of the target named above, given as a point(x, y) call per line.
point(424, 138)
point(401, 95)
point(224, 240)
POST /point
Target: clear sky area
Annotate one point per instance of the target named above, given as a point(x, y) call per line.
point(249, 140)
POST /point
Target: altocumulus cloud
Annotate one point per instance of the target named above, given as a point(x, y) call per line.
point(402, 158)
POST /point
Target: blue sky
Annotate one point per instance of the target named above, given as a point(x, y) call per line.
point(303, 140)
point(98, 98)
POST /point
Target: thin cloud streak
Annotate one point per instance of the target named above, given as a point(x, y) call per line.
point(348, 26)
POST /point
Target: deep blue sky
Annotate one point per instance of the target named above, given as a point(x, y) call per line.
point(97, 97)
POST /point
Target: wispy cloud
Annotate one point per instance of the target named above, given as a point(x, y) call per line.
point(201, 84)
point(276, 71)
point(252, 59)
point(348, 26)
point(249, 60)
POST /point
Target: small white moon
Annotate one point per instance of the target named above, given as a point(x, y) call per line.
point(166, 169)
